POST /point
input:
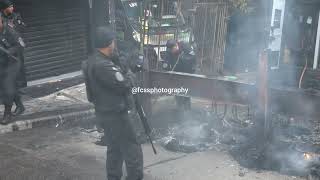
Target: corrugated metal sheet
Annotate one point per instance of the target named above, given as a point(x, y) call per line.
point(56, 37)
point(210, 30)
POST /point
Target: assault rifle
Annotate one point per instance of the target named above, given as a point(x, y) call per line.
point(144, 120)
point(2, 49)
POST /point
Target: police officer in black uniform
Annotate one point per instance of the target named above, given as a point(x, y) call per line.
point(186, 63)
point(9, 66)
point(171, 55)
point(187, 59)
point(14, 21)
point(109, 86)
point(180, 57)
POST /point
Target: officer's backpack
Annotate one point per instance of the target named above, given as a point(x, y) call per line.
point(87, 76)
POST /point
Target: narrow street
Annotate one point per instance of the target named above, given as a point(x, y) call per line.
point(67, 151)
point(71, 154)
point(224, 89)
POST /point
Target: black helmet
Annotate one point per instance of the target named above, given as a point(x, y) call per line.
point(171, 43)
point(4, 4)
point(104, 37)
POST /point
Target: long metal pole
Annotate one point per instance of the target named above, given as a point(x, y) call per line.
point(160, 32)
point(144, 23)
point(91, 26)
point(225, 29)
point(149, 19)
point(112, 14)
point(267, 26)
point(203, 38)
point(317, 49)
point(178, 15)
point(215, 31)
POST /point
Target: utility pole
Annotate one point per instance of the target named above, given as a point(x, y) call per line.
point(91, 26)
point(264, 110)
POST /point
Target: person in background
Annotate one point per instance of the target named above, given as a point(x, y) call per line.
point(186, 63)
point(171, 55)
point(180, 57)
point(187, 59)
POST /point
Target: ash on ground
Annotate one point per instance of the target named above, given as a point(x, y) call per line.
point(285, 149)
point(195, 130)
point(200, 130)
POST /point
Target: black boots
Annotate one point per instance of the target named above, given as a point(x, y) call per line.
point(18, 111)
point(20, 107)
point(102, 142)
point(7, 115)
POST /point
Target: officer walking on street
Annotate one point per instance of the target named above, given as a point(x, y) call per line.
point(9, 67)
point(109, 89)
point(14, 21)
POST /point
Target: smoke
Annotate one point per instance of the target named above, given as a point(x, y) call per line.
point(243, 42)
point(202, 129)
point(190, 131)
point(249, 146)
point(284, 151)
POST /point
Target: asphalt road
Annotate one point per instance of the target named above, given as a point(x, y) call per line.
point(71, 154)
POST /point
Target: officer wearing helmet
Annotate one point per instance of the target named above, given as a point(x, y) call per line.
point(8, 13)
point(180, 57)
point(109, 85)
point(9, 63)
point(186, 63)
point(171, 55)
point(187, 59)
point(14, 23)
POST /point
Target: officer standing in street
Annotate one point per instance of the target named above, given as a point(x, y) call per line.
point(14, 22)
point(109, 89)
point(9, 67)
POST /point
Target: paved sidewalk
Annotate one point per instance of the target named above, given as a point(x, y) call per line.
point(54, 109)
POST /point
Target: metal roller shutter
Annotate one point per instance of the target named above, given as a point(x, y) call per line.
point(56, 36)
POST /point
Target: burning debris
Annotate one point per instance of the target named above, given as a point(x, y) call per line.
point(197, 130)
point(190, 133)
point(289, 150)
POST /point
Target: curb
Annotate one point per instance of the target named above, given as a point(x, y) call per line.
point(55, 120)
